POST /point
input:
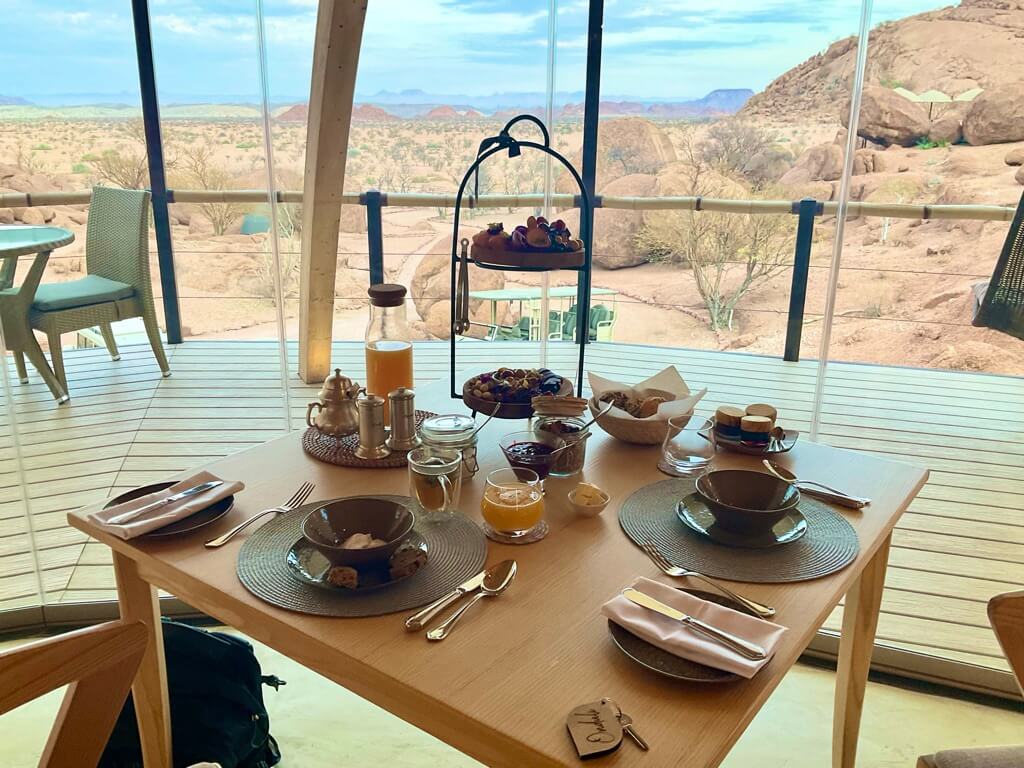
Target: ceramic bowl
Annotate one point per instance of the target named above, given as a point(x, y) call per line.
point(588, 510)
point(744, 501)
point(328, 526)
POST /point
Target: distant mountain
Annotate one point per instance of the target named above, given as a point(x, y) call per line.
point(14, 101)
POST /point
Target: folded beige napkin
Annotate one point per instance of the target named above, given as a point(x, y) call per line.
point(168, 513)
point(684, 642)
point(668, 380)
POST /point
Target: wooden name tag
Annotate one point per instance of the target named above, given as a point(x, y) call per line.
point(595, 729)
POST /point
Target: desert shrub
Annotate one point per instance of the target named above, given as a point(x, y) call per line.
point(729, 144)
point(127, 166)
point(246, 145)
point(80, 168)
point(289, 219)
point(728, 254)
point(42, 147)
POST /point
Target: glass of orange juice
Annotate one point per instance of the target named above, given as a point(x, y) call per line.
point(513, 507)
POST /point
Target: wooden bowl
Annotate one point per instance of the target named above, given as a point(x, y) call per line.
point(744, 501)
point(334, 521)
point(529, 259)
point(507, 410)
point(629, 429)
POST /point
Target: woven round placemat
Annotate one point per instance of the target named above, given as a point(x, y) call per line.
point(456, 549)
point(829, 545)
point(341, 451)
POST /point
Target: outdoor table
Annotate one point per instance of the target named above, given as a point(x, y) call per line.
point(16, 301)
point(530, 294)
point(500, 687)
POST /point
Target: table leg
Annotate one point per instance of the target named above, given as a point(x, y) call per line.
point(139, 602)
point(860, 620)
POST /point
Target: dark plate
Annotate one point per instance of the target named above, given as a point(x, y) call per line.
point(781, 446)
point(199, 519)
point(310, 567)
point(507, 410)
point(663, 662)
point(698, 517)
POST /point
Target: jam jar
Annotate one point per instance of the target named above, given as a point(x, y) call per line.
point(573, 430)
point(453, 432)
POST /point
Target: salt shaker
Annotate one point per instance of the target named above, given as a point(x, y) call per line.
point(403, 420)
point(372, 437)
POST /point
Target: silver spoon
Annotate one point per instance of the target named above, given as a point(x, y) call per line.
point(815, 488)
point(495, 582)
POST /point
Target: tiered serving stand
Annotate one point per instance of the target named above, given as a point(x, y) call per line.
point(504, 141)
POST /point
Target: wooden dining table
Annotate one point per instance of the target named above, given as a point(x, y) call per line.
point(500, 687)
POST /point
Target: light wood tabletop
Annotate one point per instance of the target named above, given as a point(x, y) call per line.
point(500, 687)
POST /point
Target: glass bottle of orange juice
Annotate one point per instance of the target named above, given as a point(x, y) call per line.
point(388, 343)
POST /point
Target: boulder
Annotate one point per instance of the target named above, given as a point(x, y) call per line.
point(1019, 175)
point(353, 219)
point(615, 229)
point(822, 162)
point(200, 225)
point(6, 216)
point(431, 288)
point(947, 129)
point(628, 146)
point(78, 217)
point(867, 161)
point(996, 116)
point(888, 118)
point(1015, 156)
point(33, 216)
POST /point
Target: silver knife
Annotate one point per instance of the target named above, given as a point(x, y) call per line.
point(842, 499)
point(420, 619)
point(738, 644)
point(135, 513)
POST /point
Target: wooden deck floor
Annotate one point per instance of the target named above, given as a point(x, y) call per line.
point(961, 542)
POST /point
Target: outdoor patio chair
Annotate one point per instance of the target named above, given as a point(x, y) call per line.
point(98, 665)
point(1000, 304)
point(116, 286)
point(1006, 614)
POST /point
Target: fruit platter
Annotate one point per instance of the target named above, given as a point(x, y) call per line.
point(507, 392)
point(538, 244)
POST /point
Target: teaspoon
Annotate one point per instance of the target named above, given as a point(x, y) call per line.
point(495, 582)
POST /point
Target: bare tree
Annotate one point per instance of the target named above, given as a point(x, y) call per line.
point(197, 161)
point(126, 166)
point(730, 143)
point(728, 254)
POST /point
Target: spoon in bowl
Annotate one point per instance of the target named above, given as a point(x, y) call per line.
point(496, 581)
point(815, 488)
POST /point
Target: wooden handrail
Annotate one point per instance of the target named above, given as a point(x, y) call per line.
point(438, 200)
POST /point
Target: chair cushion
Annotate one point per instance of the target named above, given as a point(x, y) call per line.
point(91, 289)
point(976, 757)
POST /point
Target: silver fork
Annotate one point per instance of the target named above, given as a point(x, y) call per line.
point(764, 611)
point(295, 501)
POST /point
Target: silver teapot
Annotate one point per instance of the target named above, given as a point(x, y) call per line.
point(337, 414)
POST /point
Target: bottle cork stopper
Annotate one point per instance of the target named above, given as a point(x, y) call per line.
point(756, 424)
point(762, 409)
point(728, 416)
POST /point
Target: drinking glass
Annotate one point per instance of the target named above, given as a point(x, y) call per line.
point(688, 446)
point(513, 506)
point(435, 482)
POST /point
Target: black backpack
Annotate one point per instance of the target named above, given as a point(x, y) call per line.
point(217, 711)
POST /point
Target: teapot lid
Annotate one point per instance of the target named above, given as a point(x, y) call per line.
point(337, 386)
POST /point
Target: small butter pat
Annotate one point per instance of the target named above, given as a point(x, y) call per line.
point(589, 495)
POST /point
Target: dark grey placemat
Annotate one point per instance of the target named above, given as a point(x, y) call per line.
point(829, 545)
point(457, 549)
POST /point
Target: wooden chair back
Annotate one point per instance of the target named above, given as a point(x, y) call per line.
point(1006, 614)
point(98, 665)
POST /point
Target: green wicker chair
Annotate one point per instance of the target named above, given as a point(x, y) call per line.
point(1002, 306)
point(116, 286)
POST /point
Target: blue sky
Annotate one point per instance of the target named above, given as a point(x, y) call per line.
point(653, 48)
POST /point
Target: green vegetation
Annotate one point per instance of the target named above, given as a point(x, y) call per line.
point(925, 143)
point(42, 148)
point(247, 145)
point(80, 168)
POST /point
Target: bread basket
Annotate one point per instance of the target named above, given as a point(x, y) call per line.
point(622, 425)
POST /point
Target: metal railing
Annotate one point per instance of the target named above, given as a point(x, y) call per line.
point(806, 211)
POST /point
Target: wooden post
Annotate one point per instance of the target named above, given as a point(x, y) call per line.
point(339, 34)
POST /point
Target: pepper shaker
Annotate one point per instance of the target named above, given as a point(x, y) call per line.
point(372, 437)
point(403, 420)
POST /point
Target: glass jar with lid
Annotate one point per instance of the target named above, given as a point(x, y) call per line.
point(388, 343)
point(574, 431)
point(453, 432)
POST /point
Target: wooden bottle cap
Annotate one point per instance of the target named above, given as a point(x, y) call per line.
point(728, 416)
point(756, 424)
point(762, 409)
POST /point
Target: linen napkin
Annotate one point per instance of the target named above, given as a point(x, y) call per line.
point(684, 642)
point(168, 513)
point(666, 381)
